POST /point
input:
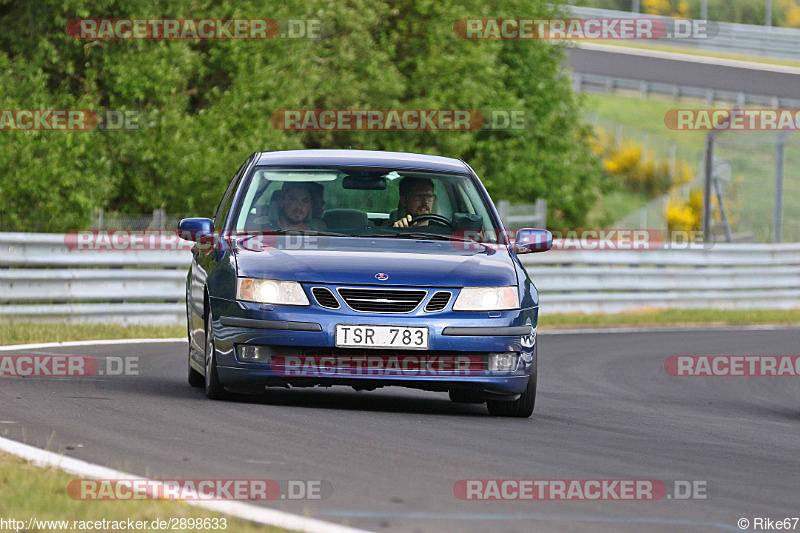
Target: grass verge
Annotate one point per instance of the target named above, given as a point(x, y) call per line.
point(614, 205)
point(672, 317)
point(34, 332)
point(30, 492)
point(749, 195)
point(31, 332)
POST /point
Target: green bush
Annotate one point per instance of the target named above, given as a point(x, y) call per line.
point(208, 103)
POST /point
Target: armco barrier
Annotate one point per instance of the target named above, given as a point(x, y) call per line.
point(725, 276)
point(746, 39)
point(41, 279)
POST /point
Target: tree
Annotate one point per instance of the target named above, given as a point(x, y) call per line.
point(206, 105)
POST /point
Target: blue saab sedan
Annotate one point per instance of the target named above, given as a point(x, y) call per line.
point(363, 269)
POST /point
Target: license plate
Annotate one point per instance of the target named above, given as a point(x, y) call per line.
point(348, 336)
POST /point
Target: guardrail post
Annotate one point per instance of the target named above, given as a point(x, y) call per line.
point(741, 100)
point(709, 171)
point(780, 161)
point(541, 212)
point(159, 219)
point(503, 209)
point(673, 156)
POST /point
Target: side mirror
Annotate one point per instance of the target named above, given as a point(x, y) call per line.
point(533, 240)
point(194, 229)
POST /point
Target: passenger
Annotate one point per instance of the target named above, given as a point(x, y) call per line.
point(416, 198)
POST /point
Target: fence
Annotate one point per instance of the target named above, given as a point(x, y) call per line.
point(41, 279)
point(733, 38)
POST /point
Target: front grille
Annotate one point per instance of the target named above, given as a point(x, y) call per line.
point(325, 298)
point(438, 301)
point(382, 300)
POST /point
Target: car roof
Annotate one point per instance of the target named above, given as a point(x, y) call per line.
point(370, 158)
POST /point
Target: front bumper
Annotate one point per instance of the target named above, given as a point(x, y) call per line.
point(311, 329)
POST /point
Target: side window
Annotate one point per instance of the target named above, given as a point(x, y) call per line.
point(227, 199)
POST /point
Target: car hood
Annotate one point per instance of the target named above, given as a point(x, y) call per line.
point(358, 261)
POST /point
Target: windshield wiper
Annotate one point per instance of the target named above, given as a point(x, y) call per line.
point(404, 235)
point(424, 235)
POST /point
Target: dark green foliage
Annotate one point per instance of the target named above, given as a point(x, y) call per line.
point(208, 103)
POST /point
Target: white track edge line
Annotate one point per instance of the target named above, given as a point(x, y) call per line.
point(668, 329)
point(87, 343)
point(246, 511)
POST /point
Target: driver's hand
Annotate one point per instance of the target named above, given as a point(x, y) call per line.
point(403, 222)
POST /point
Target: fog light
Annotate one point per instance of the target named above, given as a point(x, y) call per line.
point(503, 362)
point(253, 353)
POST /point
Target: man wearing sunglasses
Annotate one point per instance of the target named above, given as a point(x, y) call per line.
point(416, 198)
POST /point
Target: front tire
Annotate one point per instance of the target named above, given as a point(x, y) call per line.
point(523, 406)
point(214, 388)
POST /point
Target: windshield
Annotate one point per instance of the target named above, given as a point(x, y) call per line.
point(361, 202)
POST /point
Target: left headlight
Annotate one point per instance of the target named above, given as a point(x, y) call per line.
point(487, 299)
point(270, 291)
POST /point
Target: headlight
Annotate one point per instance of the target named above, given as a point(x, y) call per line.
point(270, 291)
point(486, 299)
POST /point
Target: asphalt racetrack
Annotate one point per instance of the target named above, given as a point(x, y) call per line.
point(606, 409)
point(620, 62)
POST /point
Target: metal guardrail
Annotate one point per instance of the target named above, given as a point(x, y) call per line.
point(607, 84)
point(726, 276)
point(41, 279)
point(748, 39)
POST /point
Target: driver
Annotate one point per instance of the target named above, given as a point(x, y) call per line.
point(295, 205)
point(416, 198)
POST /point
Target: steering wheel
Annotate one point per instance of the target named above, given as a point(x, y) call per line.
point(433, 217)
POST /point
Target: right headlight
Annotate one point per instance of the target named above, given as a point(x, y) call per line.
point(487, 299)
point(270, 291)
